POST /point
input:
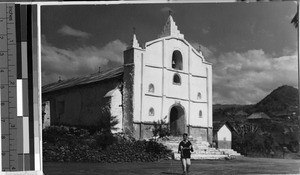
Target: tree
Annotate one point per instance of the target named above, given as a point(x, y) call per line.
point(295, 20)
point(106, 122)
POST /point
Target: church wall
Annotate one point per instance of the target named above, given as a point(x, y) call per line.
point(128, 99)
point(152, 76)
point(198, 85)
point(176, 90)
point(133, 84)
point(146, 130)
point(116, 109)
point(210, 98)
point(197, 67)
point(195, 78)
point(170, 46)
point(154, 54)
point(137, 84)
point(199, 133)
point(143, 130)
point(169, 103)
point(151, 102)
point(195, 118)
point(137, 130)
point(79, 105)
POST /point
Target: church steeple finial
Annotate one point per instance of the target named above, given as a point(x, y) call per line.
point(170, 28)
point(134, 42)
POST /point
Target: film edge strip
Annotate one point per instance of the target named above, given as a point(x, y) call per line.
point(20, 121)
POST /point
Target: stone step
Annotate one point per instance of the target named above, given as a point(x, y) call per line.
point(202, 156)
point(230, 152)
point(201, 149)
point(174, 146)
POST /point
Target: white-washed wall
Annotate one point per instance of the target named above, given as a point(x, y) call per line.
point(116, 109)
point(224, 134)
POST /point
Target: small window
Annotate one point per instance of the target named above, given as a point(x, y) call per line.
point(200, 114)
point(177, 60)
point(199, 96)
point(151, 88)
point(151, 112)
point(176, 79)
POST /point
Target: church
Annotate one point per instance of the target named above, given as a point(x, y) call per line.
point(166, 79)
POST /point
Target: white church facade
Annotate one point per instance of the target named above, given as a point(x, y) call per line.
point(167, 79)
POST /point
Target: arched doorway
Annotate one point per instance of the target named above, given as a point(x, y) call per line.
point(177, 120)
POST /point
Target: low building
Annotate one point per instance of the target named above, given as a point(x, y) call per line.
point(222, 135)
point(258, 116)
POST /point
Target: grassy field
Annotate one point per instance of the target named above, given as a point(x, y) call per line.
point(242, 165)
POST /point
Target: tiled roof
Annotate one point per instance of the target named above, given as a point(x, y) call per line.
point(83, 80)
point(217, 125)
point(241, 113)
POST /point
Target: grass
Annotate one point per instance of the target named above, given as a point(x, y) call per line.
point(242, 165)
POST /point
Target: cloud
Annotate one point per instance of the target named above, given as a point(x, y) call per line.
point(246, 78)
point(67, 30)
point(68, 63)
point(205, 31)
point(207, 52)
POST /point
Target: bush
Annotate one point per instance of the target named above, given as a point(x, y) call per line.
point(66, 134)
point(82, 146)
point(104, 139)
point(270, 137)
point(161, 128)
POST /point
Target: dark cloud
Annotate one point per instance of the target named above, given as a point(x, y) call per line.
point(68, 63)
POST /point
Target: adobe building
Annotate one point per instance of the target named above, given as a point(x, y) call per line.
point(167, 79)
point(222, 135)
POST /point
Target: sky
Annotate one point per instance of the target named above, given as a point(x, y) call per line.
point(252, 46)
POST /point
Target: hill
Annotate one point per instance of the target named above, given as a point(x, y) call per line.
point(276, 131)
point(281, 101)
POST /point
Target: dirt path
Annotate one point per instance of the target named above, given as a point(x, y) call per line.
point(171, 167)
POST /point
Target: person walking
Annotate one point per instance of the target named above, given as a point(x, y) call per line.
point(184, 149)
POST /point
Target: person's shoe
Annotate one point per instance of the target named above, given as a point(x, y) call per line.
point(184, 173)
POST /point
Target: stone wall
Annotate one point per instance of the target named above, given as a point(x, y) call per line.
point(199, 133)
point(143, 130)
point(224, 144)
point(128, 100)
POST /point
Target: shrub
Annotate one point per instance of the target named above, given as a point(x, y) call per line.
point(106, 122)
point(161, 128)
point(269, 137)
point(99, 147)
point(104, 139)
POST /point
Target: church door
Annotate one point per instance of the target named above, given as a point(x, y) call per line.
point(177, 120)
